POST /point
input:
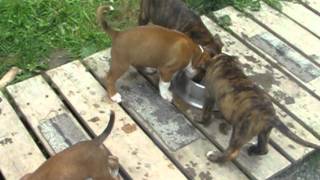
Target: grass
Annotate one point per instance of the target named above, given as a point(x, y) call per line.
point(30, 30)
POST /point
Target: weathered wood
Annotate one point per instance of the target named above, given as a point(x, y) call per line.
point(19, 154)
point(287, 29)
point(273, 82)
point(278, 52)
point(287, 92)
point(137, 153)
point(303, 16)
point(154, 110)
point(312, 4)
point(38, 103)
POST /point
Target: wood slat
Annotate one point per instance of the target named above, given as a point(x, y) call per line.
point(312, 4)
point(278, 52)
point(152, 109)
point(306, 108)
point(38, 103)
point(137, 153)
point(289, 30)
point(273, 82)
point(303, 16)
point(19, 152)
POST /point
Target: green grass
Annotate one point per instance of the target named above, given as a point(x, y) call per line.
point(31, 29)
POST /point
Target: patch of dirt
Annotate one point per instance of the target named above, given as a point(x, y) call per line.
point(58, 57)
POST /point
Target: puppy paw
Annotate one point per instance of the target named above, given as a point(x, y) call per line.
point(216, 158)
point(254, 150)
point(114, 166)
point(167, 96)
point(116, 98)
point(224, 128)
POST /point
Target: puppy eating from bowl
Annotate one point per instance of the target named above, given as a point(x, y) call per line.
point(175, 14)
point(169, 51)
point(84, 160)
point(246, 107)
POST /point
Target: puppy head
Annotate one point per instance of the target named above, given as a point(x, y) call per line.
point(215, 46)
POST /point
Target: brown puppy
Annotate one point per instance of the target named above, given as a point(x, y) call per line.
point(150, 46)
point(174, 14)
point(244, 105)
point(84, 160)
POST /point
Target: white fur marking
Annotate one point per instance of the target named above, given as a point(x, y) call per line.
point(150, 70)
point(201, 48)
point(209, 153)
point(114, 173)
point(116, 98)
point(164, 90)
point(190, 71)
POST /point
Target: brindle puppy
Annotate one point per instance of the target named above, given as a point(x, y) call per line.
point(244, 105)
point(174, 14)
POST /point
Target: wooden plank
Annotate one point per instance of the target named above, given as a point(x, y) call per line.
point(39, 103)
point(273, 82)
point(278, 53)
point(19, 152)
point(303, 16)
point(288, 30)
point(134, 88)
point(306, 108)
point(142, 159)
point(312, 4)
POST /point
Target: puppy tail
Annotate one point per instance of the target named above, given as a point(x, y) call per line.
point(101, 11)
point(99, 139)
point(286, 131)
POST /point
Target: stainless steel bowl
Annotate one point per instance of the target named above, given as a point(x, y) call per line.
point(188, 90)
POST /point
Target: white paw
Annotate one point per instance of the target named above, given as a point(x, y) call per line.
point(164, 90)
point(167, 95)
point(209, 154)
point(116, 98)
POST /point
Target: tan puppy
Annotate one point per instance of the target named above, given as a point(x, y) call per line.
point(244, 105)
point(84, 160)
point(150, 46)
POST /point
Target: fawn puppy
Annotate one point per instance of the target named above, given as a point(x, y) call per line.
point(84, 160)
point(150, 46)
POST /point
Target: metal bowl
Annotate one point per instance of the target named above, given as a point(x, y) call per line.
point(188, 90)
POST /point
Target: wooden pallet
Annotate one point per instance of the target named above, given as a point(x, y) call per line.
point(155, 139)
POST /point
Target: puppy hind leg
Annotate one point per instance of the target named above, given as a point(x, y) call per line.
point(113, 75)
point(262, 146)
point(232, 151)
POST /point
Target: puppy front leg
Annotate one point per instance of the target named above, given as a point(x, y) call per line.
point(164, 84)
point(143, 17)
point(206, 110)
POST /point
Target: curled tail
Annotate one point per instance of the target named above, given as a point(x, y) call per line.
point(286, 131)
point(99, 139)
point(101, 11)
